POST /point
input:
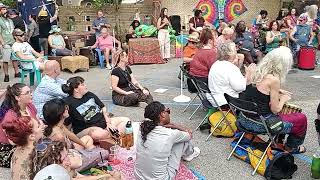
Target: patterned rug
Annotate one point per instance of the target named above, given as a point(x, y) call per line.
point(126, 166)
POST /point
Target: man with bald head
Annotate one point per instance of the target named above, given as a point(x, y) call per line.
point(49, 87)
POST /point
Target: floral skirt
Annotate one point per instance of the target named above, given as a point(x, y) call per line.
point(6, 151)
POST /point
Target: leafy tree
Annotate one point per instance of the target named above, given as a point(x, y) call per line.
point(100, 4)
point(103, 3)
point(10, 3)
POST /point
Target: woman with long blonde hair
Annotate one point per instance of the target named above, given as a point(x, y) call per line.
point(266, 92)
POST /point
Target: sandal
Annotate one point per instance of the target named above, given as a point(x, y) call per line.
point(298, 150)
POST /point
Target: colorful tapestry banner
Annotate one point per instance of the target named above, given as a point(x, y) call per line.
point(213, 10)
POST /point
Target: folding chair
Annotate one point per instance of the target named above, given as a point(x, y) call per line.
point(203, 89)
point(247, 108)
point(34, 72)
point(224, 114)
point(187, 75)
point(101, 57)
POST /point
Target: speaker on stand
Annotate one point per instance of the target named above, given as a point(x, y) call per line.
point(175, 21)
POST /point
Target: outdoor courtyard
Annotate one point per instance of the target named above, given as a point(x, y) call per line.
point(211, 163)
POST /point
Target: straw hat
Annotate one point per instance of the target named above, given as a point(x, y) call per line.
point(194, 37)
point(54, 29)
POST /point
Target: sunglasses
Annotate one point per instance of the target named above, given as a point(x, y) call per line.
point(167, 110)
point(21, 35)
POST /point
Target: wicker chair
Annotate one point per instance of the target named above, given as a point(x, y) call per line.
point(74, 63)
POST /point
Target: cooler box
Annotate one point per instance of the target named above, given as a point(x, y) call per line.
point(307, 58)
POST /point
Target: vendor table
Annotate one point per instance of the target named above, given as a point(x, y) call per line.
point(144, 51)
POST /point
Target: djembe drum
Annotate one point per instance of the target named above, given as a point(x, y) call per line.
point(290, 108)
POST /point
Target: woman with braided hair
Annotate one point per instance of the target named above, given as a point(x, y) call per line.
point(161, 145)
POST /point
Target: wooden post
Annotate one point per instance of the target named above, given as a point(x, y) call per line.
point(157, 8)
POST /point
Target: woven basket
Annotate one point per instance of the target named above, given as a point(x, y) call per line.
point(74, 63)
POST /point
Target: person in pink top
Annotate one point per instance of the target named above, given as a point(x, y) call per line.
point(105, 43)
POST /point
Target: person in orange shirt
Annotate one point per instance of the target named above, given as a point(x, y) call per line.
point(191, 48)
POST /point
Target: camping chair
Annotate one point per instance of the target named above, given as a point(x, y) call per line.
point(246, 108)
point(203, 89)
point(101, 57)
point(32, 72)
point(187, 75)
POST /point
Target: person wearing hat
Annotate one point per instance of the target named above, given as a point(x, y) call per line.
point(17, 20)
point(6, 41)
point(301, 35)
point(56, 42)
point(24, 50)
point(191, 48)
point(45, 22)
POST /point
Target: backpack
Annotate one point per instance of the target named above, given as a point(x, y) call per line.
point(223, 129)
point(277, 164)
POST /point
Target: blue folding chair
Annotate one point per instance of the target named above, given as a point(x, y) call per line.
point(101, 57)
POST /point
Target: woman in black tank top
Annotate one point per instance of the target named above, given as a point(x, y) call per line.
point(266, 93)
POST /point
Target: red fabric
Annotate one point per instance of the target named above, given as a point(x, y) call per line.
point(13, 115)
point(202, 62)
point(144, 51)
point(299, 121)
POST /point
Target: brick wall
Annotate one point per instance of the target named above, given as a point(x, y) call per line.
point(126, 14)
point(184, 8)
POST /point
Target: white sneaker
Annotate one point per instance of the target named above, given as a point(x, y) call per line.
point(196, 153)
point(109, 66)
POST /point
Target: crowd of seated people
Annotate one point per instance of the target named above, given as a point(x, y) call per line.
point(21, 129)
point(64, 120)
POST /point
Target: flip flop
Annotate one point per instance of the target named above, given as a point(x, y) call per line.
point(298, 150)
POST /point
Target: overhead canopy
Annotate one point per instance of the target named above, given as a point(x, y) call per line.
point(27, 7)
